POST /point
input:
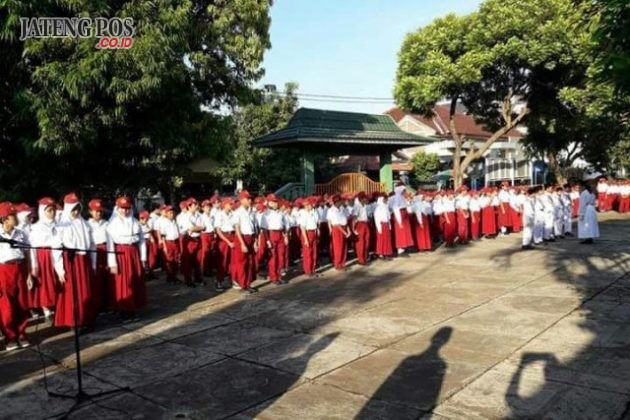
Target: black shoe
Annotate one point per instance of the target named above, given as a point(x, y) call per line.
point(251, 290)
point(284, 281)
point(190, 284)
point(277, 282)
point(568, 234)
point(527, 247)
point(218, 287)
point(587, 241)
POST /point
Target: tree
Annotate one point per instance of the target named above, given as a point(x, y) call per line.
point(124, 118)
point(260, 169)
point(613, 40)
point(489, 61)
point(425, 165)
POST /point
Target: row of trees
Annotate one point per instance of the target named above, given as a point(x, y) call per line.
point(76, 117)
point(564, 62)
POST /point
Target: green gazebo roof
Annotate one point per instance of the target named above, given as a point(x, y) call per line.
point(312, 127)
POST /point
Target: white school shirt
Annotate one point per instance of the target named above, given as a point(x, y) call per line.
point(602, 187)
point(504, 196)
point(381, 214)
point(245, 220)
point(189, 222)
point(98, 231)
point(44, 233)
point(309, 220)
point(360, 212)
point(322, 212)
point(223, 222)
point(207, 221)
point(437, 206)
point(169, 229)
point(462, 202)
point(274, 220)
point(74, 234)
point(7, 253)
point(179, 219)
point(475, 204)
point(337, 217)
point(124, 231)
point(519, 202)
point(448, 205)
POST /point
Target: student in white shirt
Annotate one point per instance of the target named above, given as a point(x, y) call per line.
point(244, 251)
point(98, 231)
point(224, 228)
point(15, 280)
point(338, 225)
point(309, 232)
point(169, 241)
point(277, 240)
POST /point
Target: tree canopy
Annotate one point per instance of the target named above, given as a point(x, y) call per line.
point(425, 165)
point(92, 118)
point(491, 61)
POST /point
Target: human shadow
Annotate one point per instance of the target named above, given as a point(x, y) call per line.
point(416, 381)
point(578, 368)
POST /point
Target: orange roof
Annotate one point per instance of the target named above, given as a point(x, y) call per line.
point(464, 123)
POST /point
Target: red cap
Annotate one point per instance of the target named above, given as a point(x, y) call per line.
point(183, 205)
point(46, 201)
point(71, 199)
point(191, 200)
point(260, 207)
point(335, 198)
point(123, 202)
point(272, 198)
point(206, 203)
point(167, 208)
point(95, 204)
point(143, 214)
point(259, 200)
point(23, 207)
point(7, 209)
point(226, 201)
point(244, 194)
point(298, 202)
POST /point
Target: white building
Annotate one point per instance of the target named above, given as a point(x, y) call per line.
point(505, 160)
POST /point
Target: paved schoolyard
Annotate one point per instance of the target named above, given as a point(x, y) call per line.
point(482, 331)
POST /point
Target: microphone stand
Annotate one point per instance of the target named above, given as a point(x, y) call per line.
point(81, 395)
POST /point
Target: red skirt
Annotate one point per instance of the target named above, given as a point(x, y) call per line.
point(152, 254)
point(516, 219)
point(402, 231)
point(79, 281)
point(488, 221)
point(13, 309)
point(47, 283)
point(450, 227)
point(384, 241)
point(475, 224)
point(423, 233)
point(127, 291)
point(503, 215)
point(575, 207)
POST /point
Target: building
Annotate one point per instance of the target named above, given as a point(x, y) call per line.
point(506, 158)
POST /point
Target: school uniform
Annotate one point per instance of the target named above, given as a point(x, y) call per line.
point(244, 262)
point(488, 218)
point(462, 206)
point(191, 267)
point(588, 228)
point(539, 219)
point(550, 215)
point(275, 222)
point(207, 237)
point(169, 232)
point(77, 266)
point(14, 312)
point(602, 195)
point(400, 220)
point(516, 207)
point(45, 236)
point(324, 231)
point(475, 217)
point(567, 208)
point(449, 220)
point(382, 220)
point(422, 227)
point(127, 291)
point(362, 232)
point(503, 212)
point(338, 223)
point(98, 232)
point(223, 222)
point(528, 220)
point(309, 225)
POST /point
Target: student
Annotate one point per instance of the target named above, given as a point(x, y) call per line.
point(339, 232)
point(309, 225)
point(98, 232)
point(449, 220)
point(488, 218)
point(44, 236)
point(503, 212)
point(126, 258)
point(224, 228)
point(475, 216)
point(169, 242)
point(14, 278)
point(191, 226)
point(382, 222)
point(528, 220)
point(74, 266)
point(588, 228)
point(277, 239)
point(206, 257)
point(152, 246)
point(402, 226)
point(539, 216)
point(421, 224)
point(360, 228)
point(244, 251)
point(462, 207)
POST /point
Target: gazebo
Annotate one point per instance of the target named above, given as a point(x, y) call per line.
point(336, 133)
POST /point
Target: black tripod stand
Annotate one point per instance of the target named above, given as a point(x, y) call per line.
point(81, 395)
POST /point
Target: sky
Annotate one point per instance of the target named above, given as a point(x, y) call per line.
point(346, 47)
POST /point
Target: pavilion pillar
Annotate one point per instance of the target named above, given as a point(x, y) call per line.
point(308, 173)
point(386, 175)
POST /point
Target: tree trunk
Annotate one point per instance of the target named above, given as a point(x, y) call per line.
point(458, 176)
point(554, 166)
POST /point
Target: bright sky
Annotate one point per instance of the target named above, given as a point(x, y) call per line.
point(346, 47)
